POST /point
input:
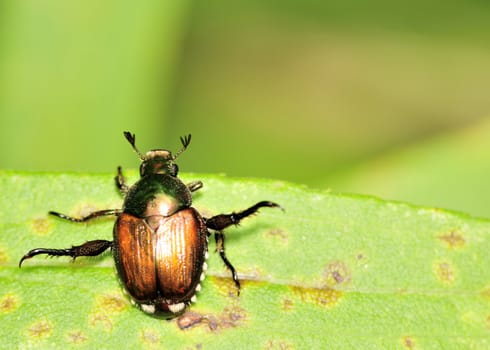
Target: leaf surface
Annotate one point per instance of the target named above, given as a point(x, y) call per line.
point(332, 271)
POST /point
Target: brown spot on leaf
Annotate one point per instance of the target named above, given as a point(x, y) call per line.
point(336, 273)
point(287, 304)
point(150, 336)
point(226, 286)
point(40, 329)
point(8, 303)
point(445, 272)
point(189, 319)
point(453, 239)
point(3, 256)
point(486, 293)
point(278, 344)
point(408, 342)
point(106, 306)
point(76, 337)
point(41, 226)
point(212, 321)
point(102, 320)
point(278, 234)
point(231, 317)
point(325, 297)
point(111, 303)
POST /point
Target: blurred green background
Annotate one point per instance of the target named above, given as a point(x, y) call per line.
point(381, 97)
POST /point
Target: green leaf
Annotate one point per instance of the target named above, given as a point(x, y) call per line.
point(332, 271)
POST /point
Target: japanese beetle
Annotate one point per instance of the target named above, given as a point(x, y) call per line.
point(160, 242)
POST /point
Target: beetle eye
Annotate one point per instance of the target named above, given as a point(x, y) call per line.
point(174, 169)
point(142, 169)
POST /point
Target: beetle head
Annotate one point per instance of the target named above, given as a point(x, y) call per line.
point(158, 161)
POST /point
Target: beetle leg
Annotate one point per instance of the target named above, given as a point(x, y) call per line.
point(194, 186)
point(90, 248)
point(220, 247)
point(90, 216)
point(222, 221)
point(219, 222)
point(121, 181)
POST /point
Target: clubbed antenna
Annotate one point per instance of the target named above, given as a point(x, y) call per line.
point(186, 140)
point(132, 139)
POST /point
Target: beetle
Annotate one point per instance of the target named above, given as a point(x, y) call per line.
point(160, 242)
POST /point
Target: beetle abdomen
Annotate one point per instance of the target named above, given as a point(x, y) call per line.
point(160, 259)
point(181, 244)
point(134, 257)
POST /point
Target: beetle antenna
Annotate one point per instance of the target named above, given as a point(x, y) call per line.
point(132, 139)
point(186, 140)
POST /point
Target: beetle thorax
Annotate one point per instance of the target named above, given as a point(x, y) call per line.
point(162, 205)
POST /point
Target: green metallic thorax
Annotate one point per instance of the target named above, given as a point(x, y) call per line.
point(157, 194)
